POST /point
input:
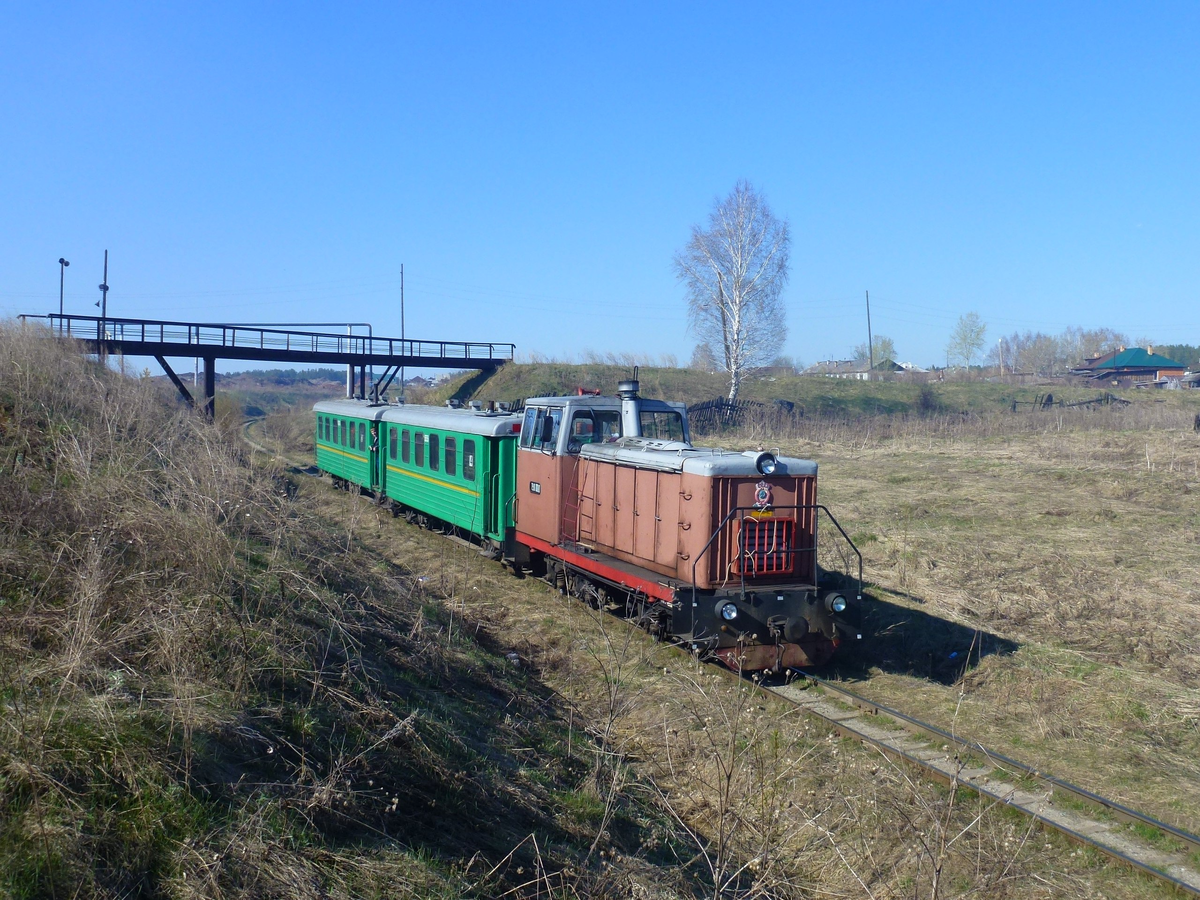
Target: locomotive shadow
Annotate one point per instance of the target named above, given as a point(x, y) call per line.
point(901, 640)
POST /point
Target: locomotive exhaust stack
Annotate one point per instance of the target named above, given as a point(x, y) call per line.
point(631, 407)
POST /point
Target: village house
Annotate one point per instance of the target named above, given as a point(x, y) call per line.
point(858, 369)
point(1132, 367)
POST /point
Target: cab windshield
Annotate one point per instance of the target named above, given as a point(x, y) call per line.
point(593, 426)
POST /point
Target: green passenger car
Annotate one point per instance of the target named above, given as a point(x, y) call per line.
point(456, 465)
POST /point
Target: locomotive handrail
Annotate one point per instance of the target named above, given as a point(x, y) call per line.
point(819, 507)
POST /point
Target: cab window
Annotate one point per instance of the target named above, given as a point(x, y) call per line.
point(540, 430)
point(527, 427)
point(662, 426)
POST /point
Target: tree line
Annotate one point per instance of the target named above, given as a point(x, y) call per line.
point(1037, 353)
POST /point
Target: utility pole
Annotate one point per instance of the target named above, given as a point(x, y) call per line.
point(870, 340)
point(62, 268)
point(103, 304)
point(402, 342)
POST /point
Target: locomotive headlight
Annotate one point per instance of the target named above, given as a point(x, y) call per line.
point(835, 603)
point(729, 611)
point(766, 463)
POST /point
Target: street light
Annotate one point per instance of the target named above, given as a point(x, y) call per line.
point(103, 301)
point(62, 268)
point(102, 330)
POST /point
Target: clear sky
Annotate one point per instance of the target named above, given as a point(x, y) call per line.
point(536, 166)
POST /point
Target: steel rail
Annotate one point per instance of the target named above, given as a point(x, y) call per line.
point(1173, 868)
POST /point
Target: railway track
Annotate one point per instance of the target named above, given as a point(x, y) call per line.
point(1169, 854)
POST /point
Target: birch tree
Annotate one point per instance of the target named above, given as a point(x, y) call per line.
point(734, 273)
point(883, 346)
point(966, 340)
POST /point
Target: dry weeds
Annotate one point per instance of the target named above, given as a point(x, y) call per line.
point(1074, 536)
point(206, 691)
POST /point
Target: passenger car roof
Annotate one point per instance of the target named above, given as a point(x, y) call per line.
point(467, 421)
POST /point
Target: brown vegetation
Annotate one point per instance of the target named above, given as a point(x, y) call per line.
point(1072, 535)
point(216, 682)
point(207, 691)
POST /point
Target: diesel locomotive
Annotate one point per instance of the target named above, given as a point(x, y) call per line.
point(606, 497)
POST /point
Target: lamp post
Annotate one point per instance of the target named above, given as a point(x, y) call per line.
point(62, 268)
point(103, 304)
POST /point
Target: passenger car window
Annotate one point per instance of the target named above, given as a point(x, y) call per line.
point(419, 444)
point(451, 455)
point(469, 460)
point(404, 454)
point(392, 443)
point(433, 452)
point(362, 435)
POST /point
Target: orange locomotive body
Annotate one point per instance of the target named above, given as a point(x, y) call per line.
point(715, 548)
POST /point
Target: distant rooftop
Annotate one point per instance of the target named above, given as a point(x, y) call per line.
point(1131, 358)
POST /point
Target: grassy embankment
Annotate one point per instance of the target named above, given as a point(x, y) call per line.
point(209, 690)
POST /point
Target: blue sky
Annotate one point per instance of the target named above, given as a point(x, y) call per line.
point(536, 166)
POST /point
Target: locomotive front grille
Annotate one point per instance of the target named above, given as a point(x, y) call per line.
point(766, 547)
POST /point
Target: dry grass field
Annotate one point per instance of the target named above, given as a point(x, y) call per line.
point(218, 679)
point(1069, 542)
point(1056, 551)
point(779, 807)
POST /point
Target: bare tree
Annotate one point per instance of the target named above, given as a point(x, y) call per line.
point(966, 340)
point(703, 359)
point(734, 273)
point(884, 347)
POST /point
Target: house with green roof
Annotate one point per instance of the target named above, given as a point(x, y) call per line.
point(1131, 367)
